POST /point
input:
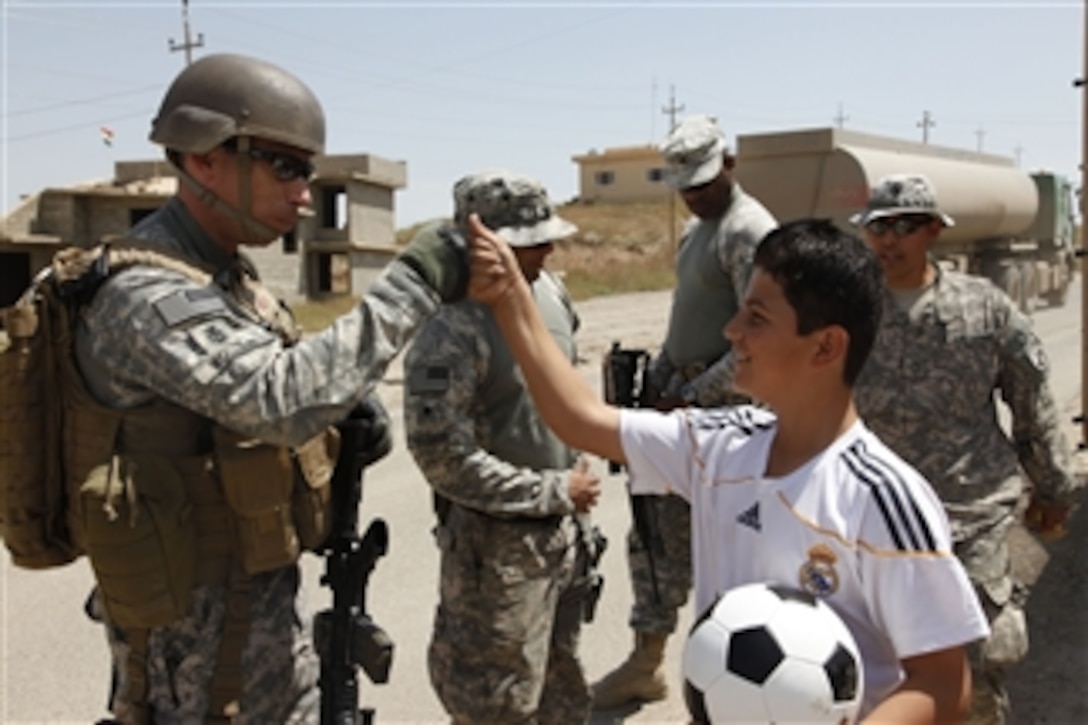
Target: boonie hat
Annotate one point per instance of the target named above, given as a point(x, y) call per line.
point(897, 194)
point(693, 152)
point(514, 206)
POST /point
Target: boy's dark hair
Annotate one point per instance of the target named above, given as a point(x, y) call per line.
point(829, 277)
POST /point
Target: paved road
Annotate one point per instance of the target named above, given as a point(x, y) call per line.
point(53, 664)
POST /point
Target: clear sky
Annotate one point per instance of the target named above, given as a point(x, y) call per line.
point(455, 87)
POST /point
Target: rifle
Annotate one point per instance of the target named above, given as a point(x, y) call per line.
point(345, 636)
point(625, 384)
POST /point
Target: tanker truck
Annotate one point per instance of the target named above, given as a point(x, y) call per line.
point(1015, 228)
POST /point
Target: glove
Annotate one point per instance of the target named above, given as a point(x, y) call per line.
point(440, 257)
point(374, 437)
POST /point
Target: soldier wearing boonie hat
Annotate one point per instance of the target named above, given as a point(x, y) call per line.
point(516, 207)
point(510, 497)
point(693, 368)
point(899, 195)
point(947, 342)
point(694, 152)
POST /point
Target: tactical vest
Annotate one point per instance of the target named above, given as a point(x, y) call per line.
point(160, 499)
point(504, 398)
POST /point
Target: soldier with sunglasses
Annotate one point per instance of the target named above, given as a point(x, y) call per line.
point(947, 342)
point(212, 417)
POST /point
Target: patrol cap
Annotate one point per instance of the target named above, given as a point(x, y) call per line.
point(516, 207)
point(897, 194)
point(693, 152)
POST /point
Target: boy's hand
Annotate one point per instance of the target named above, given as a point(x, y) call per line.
point(1046, 519)
point(584, 486)
point(494, 268)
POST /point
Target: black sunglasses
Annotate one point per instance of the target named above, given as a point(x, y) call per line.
point(901, 226)
point(285, 167)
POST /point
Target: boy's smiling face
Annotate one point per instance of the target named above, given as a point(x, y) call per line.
point(770, 355)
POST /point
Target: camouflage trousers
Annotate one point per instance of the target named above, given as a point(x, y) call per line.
point(986, 559)
point(505, 642)
point(279, 663)
point(657, 612)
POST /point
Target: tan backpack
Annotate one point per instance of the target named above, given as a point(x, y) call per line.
point(34, 359)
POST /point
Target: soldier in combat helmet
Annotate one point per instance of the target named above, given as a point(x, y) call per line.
point(947, 343)
point(203, 400)
point(693, 369)
point(517, 548)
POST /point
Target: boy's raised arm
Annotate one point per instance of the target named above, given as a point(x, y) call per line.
point(564, 399)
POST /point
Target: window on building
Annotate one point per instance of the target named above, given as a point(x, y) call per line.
point(334, 207)
point(333, 273)
point(655, 175)
point(604, 178)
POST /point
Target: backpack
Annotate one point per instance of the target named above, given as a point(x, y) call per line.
point(35, 365)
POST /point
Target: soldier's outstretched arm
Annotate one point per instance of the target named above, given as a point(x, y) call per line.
point(564, 399)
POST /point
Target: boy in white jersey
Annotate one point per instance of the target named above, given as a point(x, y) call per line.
point(804, 496)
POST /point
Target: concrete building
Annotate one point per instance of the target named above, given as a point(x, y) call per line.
point(628, 173)
point(339, 249)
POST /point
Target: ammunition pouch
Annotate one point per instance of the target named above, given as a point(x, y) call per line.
point(282, 499)
point(139, 533)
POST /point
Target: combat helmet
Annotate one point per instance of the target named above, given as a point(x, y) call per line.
point(222, 96)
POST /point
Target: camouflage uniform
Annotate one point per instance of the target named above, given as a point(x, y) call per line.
point(210, 357)
point(927, 391)
point(513, 569)
point(712, 270)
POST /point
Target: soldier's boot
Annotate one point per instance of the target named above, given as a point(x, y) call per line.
point(640, 678)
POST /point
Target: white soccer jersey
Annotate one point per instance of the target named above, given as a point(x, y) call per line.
point(855, 526)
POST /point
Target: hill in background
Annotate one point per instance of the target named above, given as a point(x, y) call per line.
point(618, 248)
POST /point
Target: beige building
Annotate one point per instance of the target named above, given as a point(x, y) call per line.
point(338, 250)
point(627, 173)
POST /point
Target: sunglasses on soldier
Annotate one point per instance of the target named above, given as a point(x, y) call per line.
point(285, 167)
point(901, 226)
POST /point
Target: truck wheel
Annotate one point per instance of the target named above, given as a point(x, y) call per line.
point(1056, 297)
point(1029, 290)
point(1007, 277)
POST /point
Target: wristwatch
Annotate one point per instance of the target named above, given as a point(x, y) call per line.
point(688, 394)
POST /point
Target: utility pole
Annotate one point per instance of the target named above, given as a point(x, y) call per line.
point(189, 43)
point(672, 109)
point(1017, 153)
point(980, 134)
point(925, 124)
point(1083, 250)
point(840, 118)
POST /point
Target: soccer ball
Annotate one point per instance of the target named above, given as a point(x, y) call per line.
point(764, 653)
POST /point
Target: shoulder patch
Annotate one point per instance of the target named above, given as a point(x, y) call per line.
point(429, 379)
point(189, 304)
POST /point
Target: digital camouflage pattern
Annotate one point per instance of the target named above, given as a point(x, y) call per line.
point(151, 333)
point(927, 391)
point(712, 271)
point(514, 206)
point(504, 646)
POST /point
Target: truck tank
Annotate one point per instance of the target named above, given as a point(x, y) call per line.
point(829, 172)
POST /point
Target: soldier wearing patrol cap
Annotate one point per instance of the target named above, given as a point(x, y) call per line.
point(947, 342)
point(201, 415)
point(692, 368)
point(517, 549)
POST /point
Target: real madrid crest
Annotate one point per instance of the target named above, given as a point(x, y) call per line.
point(818, 576)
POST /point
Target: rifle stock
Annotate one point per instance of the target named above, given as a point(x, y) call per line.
point(624, 381)
point(345, 636)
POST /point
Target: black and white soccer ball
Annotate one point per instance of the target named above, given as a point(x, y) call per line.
point(764, 653)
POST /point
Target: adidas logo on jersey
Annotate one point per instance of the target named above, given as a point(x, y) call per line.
point(750, 517)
